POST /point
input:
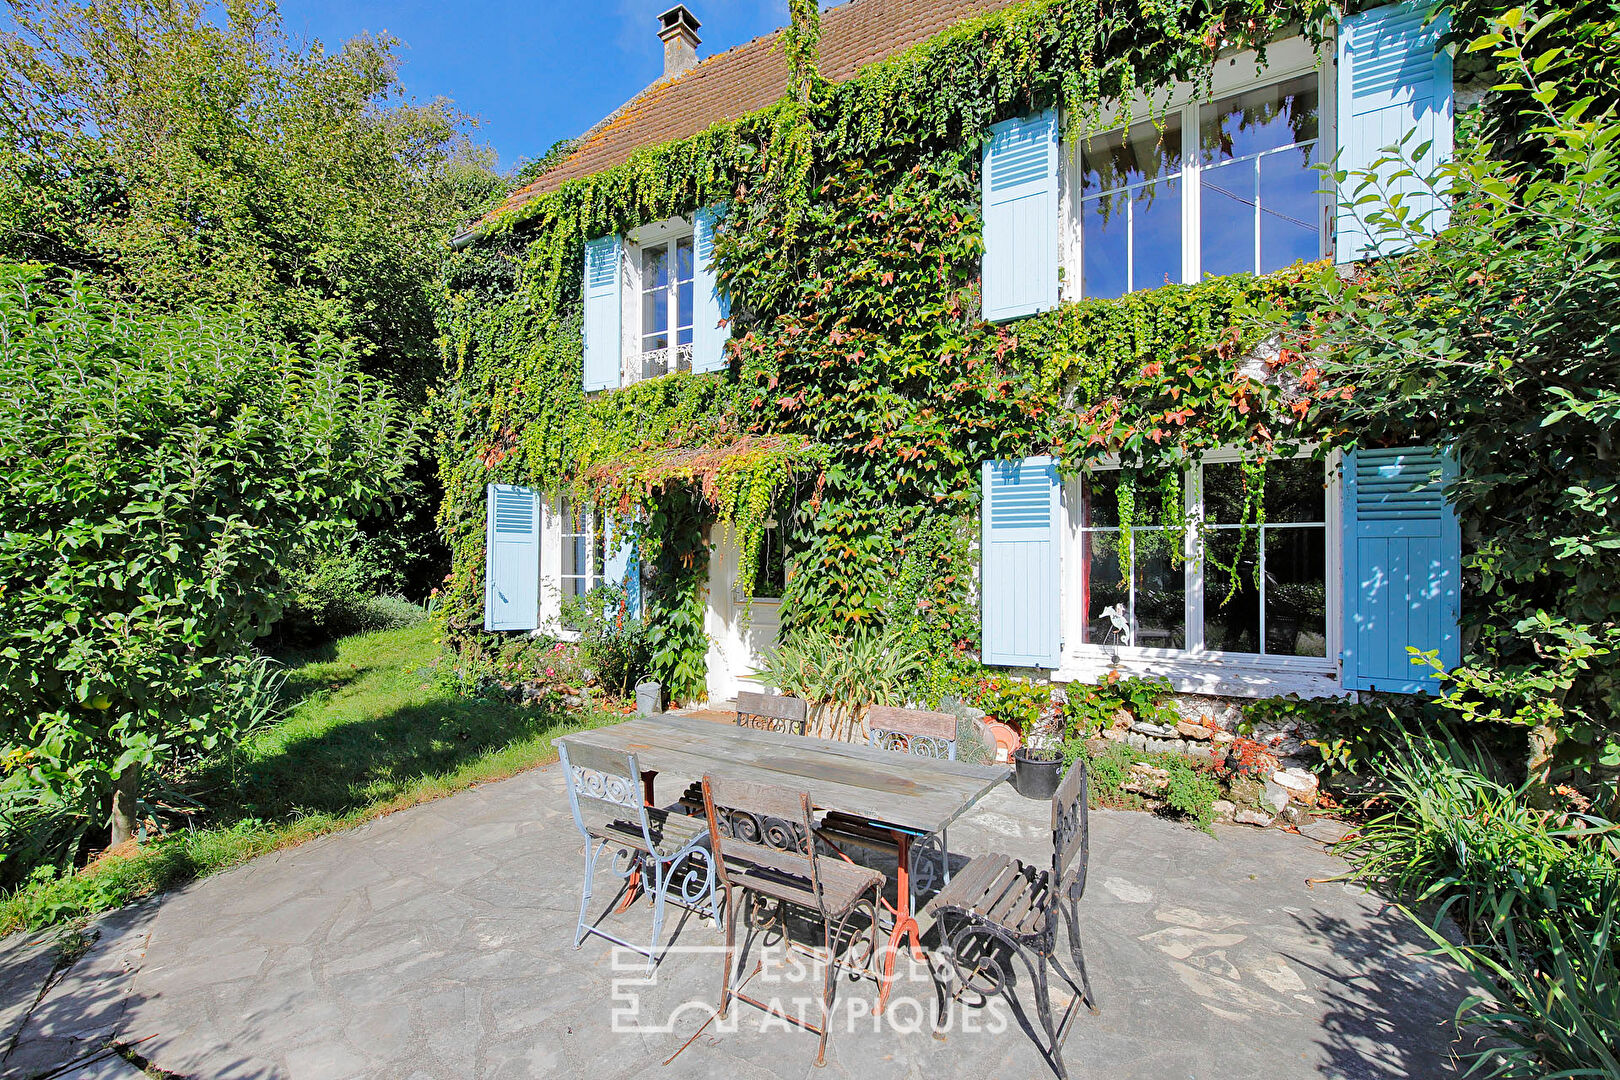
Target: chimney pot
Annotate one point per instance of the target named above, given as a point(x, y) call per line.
point(677, 29)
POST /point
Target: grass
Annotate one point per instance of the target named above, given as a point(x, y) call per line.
point(372, 729)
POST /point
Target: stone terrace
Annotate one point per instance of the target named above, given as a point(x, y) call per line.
point(436, 943)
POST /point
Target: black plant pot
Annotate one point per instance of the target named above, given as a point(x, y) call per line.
point(1034, 778)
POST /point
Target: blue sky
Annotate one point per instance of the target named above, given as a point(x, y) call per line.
point(532, 72)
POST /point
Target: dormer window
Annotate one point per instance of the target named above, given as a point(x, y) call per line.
point(666, 307)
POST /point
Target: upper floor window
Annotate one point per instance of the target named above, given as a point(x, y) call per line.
point(666, 306)
point(1219, 187)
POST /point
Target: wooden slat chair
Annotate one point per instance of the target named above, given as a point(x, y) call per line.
point(1000, 905)
point(773, 712)
point(906, 731)
point(767, 712)
point(785, 868)
point(670, 852)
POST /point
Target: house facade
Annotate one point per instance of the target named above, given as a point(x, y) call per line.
point(1286, 560)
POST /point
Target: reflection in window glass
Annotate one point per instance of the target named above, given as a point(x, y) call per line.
point(770, 576)
point(666, 301)
point(1142, 573)
point(1296, 592)
point(1257, 151)
point(1130, 210)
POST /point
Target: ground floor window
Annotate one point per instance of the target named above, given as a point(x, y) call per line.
point(1227, 556)
point(584, 554)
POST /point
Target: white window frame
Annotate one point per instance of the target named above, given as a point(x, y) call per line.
point(639, 364)
point(1287, 59)
point(585, 524)
point(1196, 669)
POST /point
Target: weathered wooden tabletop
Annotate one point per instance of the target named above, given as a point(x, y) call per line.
point(917, 794)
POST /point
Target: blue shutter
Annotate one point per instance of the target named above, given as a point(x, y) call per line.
point(1020, 202)
point(1392, 81)
point(623, 564)
point(1402, 568)
point(710, 304)
point(602, 313)
point(1019, 589)
point(511, 558)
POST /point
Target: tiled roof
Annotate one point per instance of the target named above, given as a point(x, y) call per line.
point(749, 77)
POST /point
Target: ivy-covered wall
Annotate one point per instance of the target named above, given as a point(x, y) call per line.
point(863, 390)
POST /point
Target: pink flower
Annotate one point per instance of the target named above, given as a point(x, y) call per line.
point(551, 673)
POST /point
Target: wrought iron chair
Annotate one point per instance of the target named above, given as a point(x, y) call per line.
point(772, 712)
point(912, 731)
point(666, 853)
point(1001, 904)
point(767, 712)
point(781, 865)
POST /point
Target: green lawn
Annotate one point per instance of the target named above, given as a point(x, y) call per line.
point(372, 730)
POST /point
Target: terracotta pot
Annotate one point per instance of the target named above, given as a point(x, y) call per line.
point(1006, 740)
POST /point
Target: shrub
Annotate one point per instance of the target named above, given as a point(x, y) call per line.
point(613, 641)
point(1189, 795)
point(158, 478)
point(841, 676)
point(1533, 890)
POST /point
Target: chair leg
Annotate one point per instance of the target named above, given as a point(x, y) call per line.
point(1043, 1005)
point(661, 883)
point(829, 980)
point(592, 850)
point(1079, 957)
point(731, 948)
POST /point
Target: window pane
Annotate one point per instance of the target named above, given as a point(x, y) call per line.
point(1099, 499)
point(1120, 157)
point(655, 267)
point(1296, 490)
point(1223, 494)
point(573, 555)
point(1105, 585)
point(655, 320)
point(1227, 225)
point(1289, 209)
point(683, 259)
point(1296, 592)
point(1231, 614)
point(1104, 222)
point(683, 294)
point(1161, 589)
point(1261, 119)
point(1156, 257)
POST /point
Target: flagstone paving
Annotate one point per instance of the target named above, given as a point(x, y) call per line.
point(436, 943)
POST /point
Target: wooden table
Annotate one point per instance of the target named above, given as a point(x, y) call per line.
point(914, 798)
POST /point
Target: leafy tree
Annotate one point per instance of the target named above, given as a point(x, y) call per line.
point(1501, 337)
point(187, 161)
point(158, 475)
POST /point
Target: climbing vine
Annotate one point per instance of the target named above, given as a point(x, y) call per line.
point(863, 382)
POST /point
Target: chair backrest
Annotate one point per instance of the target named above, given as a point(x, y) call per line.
point(604, 783)
point(770, 712)
point(1071, 832)
point(763, 825)
point(912, 731)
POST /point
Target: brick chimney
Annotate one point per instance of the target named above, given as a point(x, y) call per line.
point(678, 28)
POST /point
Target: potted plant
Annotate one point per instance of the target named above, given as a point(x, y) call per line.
point(1038, 763)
